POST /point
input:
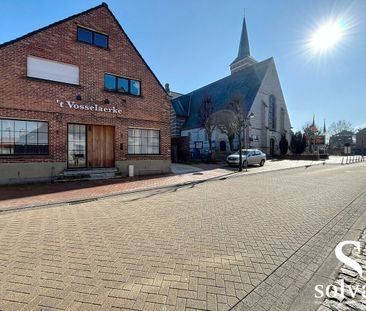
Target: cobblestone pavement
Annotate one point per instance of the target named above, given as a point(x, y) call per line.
point(16, 196)
point(352, 297)
point(240, 243)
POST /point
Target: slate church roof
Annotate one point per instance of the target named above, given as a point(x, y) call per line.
point(246, 81)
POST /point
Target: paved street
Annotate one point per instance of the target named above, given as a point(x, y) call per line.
point(243, 243)
point(20, 196)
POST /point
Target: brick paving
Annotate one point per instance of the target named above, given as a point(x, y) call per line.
point(211, 246)
point(40, 194)
point(351, 280)
point(15, 196)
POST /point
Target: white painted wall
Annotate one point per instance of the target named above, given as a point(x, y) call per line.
point(259, 125)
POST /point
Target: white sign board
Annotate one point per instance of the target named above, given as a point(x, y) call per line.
point(46, 69)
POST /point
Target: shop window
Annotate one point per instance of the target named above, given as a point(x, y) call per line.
point(113, 83)
point(92, 37)
point(143, 141)
point(21, 137)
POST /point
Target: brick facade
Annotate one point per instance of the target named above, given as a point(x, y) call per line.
point(27, 98)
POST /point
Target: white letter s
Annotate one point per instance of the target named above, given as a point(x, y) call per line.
point(346, 260)
point(319, 289)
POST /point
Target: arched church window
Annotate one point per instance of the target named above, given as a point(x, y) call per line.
point(272, 113)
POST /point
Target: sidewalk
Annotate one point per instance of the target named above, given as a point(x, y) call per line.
point(18, 196)
point(31, 195)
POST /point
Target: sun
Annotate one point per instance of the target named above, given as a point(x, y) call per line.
point(327, 36)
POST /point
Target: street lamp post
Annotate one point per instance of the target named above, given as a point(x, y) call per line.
point(244, 124)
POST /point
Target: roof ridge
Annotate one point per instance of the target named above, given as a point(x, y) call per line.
point(235, 73)
point(103, 4)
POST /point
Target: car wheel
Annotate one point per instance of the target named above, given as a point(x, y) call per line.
point(262, 163)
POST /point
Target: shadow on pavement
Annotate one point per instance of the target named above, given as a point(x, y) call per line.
point(16, 191)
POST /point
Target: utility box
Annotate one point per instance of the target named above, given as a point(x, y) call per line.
point(131, 171)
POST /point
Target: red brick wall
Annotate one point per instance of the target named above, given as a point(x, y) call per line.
point(27, 98)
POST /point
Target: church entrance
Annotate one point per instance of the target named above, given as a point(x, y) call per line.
point(223, 145)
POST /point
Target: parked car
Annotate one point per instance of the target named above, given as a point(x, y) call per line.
point(253, 156)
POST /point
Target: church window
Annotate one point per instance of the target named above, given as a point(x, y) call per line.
point(282, 119)
point(272, 113)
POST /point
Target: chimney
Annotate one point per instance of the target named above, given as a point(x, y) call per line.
point(167, 88)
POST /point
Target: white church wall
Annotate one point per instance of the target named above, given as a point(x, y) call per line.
point(198, 138)
point(259, 125)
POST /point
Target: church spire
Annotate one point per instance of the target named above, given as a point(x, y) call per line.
point(244, 49)
point(243, 59)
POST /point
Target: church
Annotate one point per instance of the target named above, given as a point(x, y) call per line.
point(258, 85)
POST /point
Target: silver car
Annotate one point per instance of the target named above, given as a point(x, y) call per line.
point(252, 156)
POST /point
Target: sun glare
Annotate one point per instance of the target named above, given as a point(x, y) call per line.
point(327, 36)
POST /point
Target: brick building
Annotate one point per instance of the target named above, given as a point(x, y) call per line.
point(78, 95)
point(361, 141)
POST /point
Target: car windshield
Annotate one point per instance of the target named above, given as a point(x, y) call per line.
point(244, 152)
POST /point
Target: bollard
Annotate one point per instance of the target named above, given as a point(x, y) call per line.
point(131, 171)
point(342, 160)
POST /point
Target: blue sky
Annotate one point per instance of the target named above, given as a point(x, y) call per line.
point(191, 43)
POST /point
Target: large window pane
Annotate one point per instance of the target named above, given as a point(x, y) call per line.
point(20, 125)
point(109, 82)
point(100, 40)
point(143, 141)
point(43, 138)
point(43, 127)
point(85, 35)
point(122, 85)
point(32, 127)
point(135, 87)
point(21, 137)
point(76, 145)
point(7, 125)
point(92, 37)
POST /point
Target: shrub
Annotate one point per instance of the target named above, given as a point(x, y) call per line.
point(298, 143)
point(283, 144)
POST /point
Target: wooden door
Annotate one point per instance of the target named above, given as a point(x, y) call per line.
point(100, 146)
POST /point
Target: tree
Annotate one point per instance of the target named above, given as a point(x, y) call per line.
point(298, 143)
point(206, 119)
point(340, 126)
point(226, 121)
point(283, 144)
point(240, 121)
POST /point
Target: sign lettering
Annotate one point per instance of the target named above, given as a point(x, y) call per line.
point(88, 107)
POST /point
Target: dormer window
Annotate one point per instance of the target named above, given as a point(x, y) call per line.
point(92, 37)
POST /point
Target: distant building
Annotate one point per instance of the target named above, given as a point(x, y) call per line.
point(361, 141)
point(338, 141)
point(258, 85)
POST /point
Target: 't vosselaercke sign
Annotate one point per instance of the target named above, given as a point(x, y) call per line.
point(87, 107)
